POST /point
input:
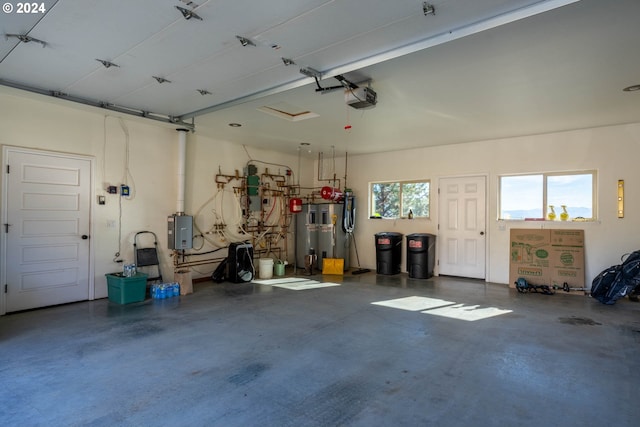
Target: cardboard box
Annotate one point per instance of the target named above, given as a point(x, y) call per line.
point(566, 259)
point(529, 256)
point(547, 257)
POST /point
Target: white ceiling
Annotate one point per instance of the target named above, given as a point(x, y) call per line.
point(477, 69)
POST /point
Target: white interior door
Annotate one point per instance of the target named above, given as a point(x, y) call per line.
point(461, 234)
point(46, 228)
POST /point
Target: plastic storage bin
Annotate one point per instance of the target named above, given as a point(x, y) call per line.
point(420, 255)
point(278, 268)
point(388, 253)
point(125, 290)
point(265, 268)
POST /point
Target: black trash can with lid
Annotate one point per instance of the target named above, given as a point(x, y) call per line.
point(388, 252)
point(421, 255)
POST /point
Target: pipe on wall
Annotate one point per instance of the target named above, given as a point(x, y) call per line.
point(182, 159)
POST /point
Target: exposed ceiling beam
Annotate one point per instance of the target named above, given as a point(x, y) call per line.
point(99, 104)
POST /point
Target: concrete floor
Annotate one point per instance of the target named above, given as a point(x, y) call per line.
point(265, 356)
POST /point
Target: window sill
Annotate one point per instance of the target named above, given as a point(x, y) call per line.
point(555, 221)
point(549, 222)
point(420, 218)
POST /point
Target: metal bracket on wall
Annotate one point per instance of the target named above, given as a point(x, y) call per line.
point(621, 198)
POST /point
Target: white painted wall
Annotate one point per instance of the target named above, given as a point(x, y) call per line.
point(210, 204)
point(43, 123)
point(613, 151)
point(55, 126)
point(37, 122)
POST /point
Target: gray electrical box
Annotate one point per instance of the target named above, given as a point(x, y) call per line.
point(180, 232)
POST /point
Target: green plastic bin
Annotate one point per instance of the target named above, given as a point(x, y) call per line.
point(125, 290)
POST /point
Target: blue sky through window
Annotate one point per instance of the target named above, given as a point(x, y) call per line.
point(522, 196)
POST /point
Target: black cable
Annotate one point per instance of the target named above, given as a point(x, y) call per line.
point(345, 84)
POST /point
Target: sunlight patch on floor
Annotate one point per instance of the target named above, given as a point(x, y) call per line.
point(443, 308)
point(414, 303)
point(470, 313)
point(295, 284)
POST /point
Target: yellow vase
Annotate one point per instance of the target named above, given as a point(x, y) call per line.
point(551, 215)
point(564, 215)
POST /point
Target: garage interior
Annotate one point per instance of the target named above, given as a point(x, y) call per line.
point(246, 145)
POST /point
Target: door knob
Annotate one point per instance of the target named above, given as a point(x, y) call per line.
point(85, 237)
point(482, 233)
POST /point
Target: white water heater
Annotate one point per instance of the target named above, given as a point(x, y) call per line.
point(315, 232)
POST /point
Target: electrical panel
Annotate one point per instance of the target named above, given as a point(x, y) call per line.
point(180, 232)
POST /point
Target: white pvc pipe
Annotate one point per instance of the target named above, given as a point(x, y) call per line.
point(182, 159)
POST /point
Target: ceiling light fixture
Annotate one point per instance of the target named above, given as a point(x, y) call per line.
point(306, 146)
point(188, 14)
point(288, 61)
point(25, 39)
point(428, 9)
point(106, 63)
point(161, 79)
point(633, 88)
point(245, 41)
point(203, 92)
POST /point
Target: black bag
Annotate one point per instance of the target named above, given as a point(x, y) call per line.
point(218, 274)
point(604, 282)
point(631, 274)
point(631, 267)
point(618, 281)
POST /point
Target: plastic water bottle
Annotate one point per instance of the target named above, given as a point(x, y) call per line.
point(129, 270)
point(165, 290)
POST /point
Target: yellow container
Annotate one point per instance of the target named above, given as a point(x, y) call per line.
point(333, 266)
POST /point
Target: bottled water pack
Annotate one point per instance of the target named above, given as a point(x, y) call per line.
point(165, 290)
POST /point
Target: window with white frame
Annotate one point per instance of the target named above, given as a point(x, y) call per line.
point(551, 196)
point(400, 199)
